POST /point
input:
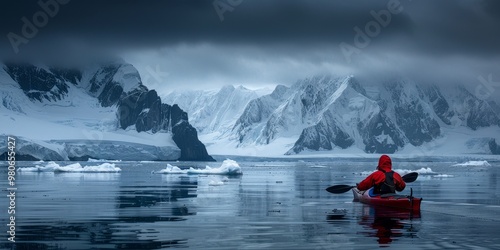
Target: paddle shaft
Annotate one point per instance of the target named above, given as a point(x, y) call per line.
point(338, 189)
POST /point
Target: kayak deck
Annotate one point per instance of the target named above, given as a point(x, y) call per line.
point(388, 200)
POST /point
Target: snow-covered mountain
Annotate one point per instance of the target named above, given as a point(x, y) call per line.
point(102, 111)
point(327, 113)
point(213, 111)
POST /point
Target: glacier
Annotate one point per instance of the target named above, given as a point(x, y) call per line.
point(102, 111)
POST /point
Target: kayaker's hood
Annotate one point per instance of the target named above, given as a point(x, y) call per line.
point(385, 163)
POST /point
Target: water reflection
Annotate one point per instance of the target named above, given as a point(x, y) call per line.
point(388, 224)
point(84, 211)
point(277, 206)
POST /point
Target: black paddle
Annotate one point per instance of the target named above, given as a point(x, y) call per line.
point(338, 189)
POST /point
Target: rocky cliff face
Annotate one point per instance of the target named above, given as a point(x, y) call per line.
point(345, 116)
point(37, 83)
point(412, 113)
point(335, 112)
point(115, 84)
point(256, 113)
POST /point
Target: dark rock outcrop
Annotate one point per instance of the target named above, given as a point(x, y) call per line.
point(381, 135)
point(494, 147)
point(146, 112)
point(186, 138)
point(71, 75)
point(37, 83)
point(411, 117)
point(104, 88)
point(322, 136)
point(141, 108)
point(476, 113)
point(439, 104)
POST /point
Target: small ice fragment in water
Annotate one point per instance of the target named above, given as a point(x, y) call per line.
point(215, 183)
point(473, 164)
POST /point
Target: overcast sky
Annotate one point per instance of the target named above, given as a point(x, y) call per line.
point(205, 44)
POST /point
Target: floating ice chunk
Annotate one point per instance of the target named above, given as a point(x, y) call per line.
point(473, 164)
point(171, 170)
point(422, 171)
point(215, 183)
point(102, 160)
point(72, 168)
point(443, 176)
point(228, 167)
point(37, 168)
point(102, 168)
point(318, 166)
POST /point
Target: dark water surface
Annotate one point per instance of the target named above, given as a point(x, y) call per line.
point(273, 205)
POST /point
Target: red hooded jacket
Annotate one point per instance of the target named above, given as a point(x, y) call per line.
point(378, 177)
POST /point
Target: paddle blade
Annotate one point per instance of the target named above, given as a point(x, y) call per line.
point(411, 177)
point(338, 189)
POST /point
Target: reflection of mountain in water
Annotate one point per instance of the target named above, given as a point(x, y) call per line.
point(128, 226)
point(144, 196)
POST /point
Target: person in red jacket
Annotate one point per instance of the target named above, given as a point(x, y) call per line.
point(384, 180)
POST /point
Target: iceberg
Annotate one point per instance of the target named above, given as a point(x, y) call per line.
point(228, 167)
point(72, 168)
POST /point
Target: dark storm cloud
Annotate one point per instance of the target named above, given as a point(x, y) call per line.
point(264, 40)
point(456, 25)
point(160, 23)
point(430, 26)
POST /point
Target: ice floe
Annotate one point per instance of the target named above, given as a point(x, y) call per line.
point(228, 167)
point(72, 168)
point(215, 183)
point(422, 171)
point(473, 164)
point(102, 160)
point(443, 176)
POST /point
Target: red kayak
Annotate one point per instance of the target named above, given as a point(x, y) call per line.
point(387, 200)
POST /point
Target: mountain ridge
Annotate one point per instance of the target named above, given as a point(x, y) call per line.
point(112, 99)
point(321, 113)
